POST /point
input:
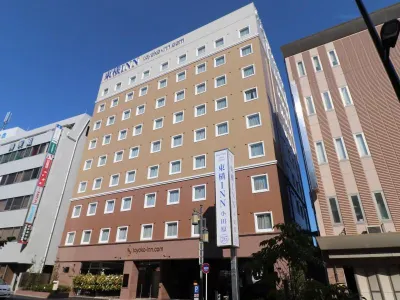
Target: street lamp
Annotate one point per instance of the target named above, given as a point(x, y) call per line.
point(198, 219)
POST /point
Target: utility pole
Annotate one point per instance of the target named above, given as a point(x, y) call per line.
point(383, 54)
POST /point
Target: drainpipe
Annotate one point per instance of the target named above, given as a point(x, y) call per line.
point(42, 264)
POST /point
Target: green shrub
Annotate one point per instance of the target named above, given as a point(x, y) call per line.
point(101, 282)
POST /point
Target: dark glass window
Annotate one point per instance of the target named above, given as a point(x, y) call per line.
point(35, 173)
point(35, 150)
point(43, 148)
point(9, 203)
point(11, 178)
point(18, 177)
point(27, 175)
point(26, 201)
point(17, 202)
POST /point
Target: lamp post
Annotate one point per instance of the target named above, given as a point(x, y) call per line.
point(198, 219)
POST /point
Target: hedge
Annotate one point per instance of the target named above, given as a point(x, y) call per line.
point(90, 282)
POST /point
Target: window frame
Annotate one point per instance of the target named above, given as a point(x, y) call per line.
point(249, 149)
point(135, 127)
point(215, 60)
point(194, 192)
point(105, 206)
point(123, 114)
point(148, 171)
point(195, 110)
point(358, 146)
point(158, 99)
point(192, 234)
point(342, 97)
point(199, 84)
point(146, 87)
point(115, 156)
point(112, 102)
point(162, 65)
point(74, 210)
point(108, 120)
point(152, 143)
point(179, 59)
point(243, 68)
point(142, 231)
point(94, 125)
point(90, 144)
point(197, 68)
point(249, 89)
point(258, 230)
point(118, 86)
point(159, 83)
point(176, 95)
point(145, 72)
point(361, 207)
point(99, 159)
point(174, 117)
point(179, 73)
point(172, 140)
point(170, 167)
point(105, 92)
point(169, 196)
point(205, 134)
point(155, 122)
point(316, 152)
point(127, 96)
point(83, 235)
point(216, 128)
point(330, 98)
point(331, 211)
point(101, 233)
point(101, 108)
point(298, 70)
point(217, 40)
point(250, 115)
point(88, 214)
point(201, 54)
point(145, 200)
point(313, 63)
point(84, 165)
point(377, 208)
point(130, 151)
point(73, 239)
point(119, 134)
point(117, 240)
point(126, 176)
point(94, 181)
point(216, 80)
point(337, 58)
point(216, 105)
point(122, 203)
point(241, 29)
point(241, 50)
point(138, 107)
point(103, 142)
point(253, 189)
point(111, 179)
point(166, 230)
point(205, 161)
point(313, 105)
point(344, 147)
point(132, 79)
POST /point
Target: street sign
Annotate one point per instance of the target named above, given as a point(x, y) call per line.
point(52, 148)
point(205, 268)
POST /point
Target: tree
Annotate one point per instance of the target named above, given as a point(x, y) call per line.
point(283, 263)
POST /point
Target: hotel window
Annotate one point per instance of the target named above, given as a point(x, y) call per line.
point(200, 88)
point(155, 146)
point(327, 100)
point(145, 74)
point(171, 230)
point(122, 234)
point(97, 183)
point(246, 50)
point(88, 164)
point(200, 110)
point(340, 148)
point(263, 221)
point(177, 141)
point(248, 71)
point(317, 64)
point(122, 134)
point(104, 235)
point(138, 130)
point(300, 69)
point(358, 211)
point(140, 109)
point(253, 120)
point(259, 183)
point(118, 86)
point(219, 42)
point(91, 211)
point(114, 102)
point(86, 237)
point(101, 107)
point(250, 94)
point(221, 129)
point(150, 200)
point(146, 232)
point(220, 81)
point(160, 102)
point(105, 91)
point(164, 66)
point(130, 176)
point(181, 76)
point(179, 95)
point(333, 58)
point(321, 154)
point(382, 206)
point(345, 95)
point(178, 117)
point(310, 105)
point(174, 167)
point(200, 135)
point(69, 240)
point(92, 144)
point(82, 187)
point(182, 59)
point(134, 152)
point(199, 192)
point(195, 230)
point(76, 212)
point(361, 144)
point(126, 114)
point(96, 125)
point(110, 120)
point(109, 207)
point(152, 172)
point(114, 180)
point(244, 32)
point(143, 91)
point(221, 104)
point(218, 61)
point(199, 162)
point(162, 83)
point(173, 197)
point(129, 97)
point(158, 123)
point(118, 156)
point(201, 51)
point(126, 203)
point(201, 68)
point(106, 139)
point(102, 160)
point(256, 150)
point(132, 80)
point(335, 210)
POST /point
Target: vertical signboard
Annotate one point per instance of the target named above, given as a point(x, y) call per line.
point(222, 202)
point(232, 193)
point(37, 195)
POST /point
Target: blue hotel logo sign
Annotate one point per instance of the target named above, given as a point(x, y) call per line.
point(134, 62)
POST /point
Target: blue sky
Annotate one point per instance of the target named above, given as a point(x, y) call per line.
point(53, 53)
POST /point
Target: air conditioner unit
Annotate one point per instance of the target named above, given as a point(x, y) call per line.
point(375, 229)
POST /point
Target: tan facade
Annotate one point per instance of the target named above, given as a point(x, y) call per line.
point(350, 114)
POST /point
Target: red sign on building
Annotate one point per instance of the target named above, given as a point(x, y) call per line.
point(45, 171)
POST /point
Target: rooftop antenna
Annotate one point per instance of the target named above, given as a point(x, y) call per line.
point(6, 120)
